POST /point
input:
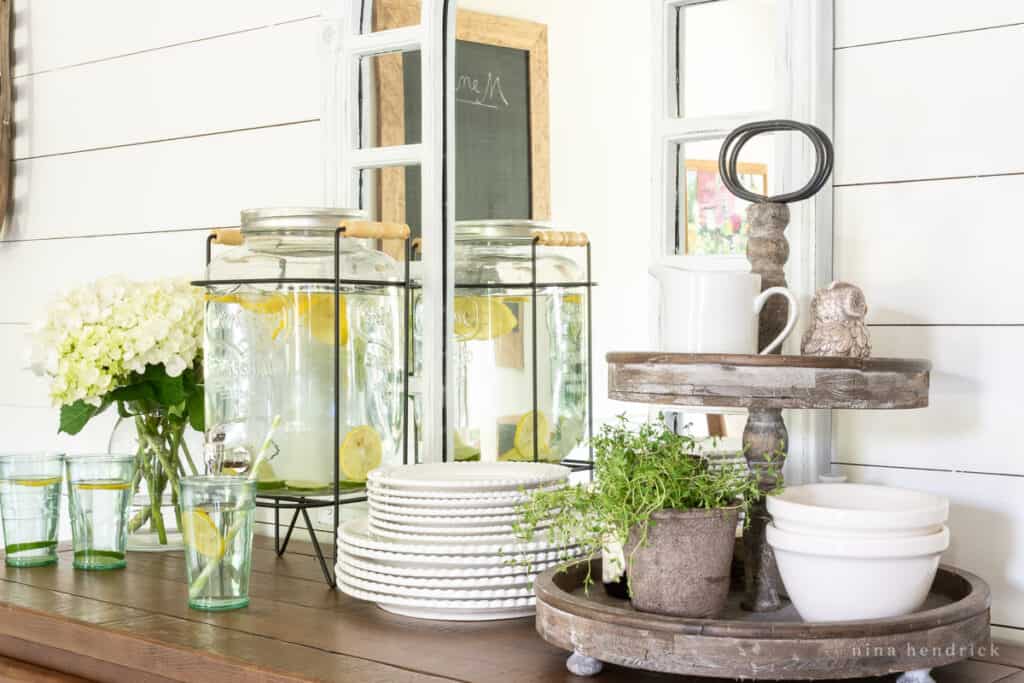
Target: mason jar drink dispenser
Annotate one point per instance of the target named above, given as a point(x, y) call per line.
point(521, 343)
point(271, 332)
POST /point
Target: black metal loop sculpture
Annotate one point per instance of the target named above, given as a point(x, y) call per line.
point(739, 136)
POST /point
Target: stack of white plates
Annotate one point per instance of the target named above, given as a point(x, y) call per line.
point(439, 541)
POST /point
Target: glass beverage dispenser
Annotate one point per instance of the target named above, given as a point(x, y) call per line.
point(521, 343)
point(271, 330)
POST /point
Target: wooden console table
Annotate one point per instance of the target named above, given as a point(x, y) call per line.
point(134, 625)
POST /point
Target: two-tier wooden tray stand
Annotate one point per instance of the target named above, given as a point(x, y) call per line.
point(760, 636)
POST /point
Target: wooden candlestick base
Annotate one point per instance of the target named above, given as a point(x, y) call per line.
point(765, 441)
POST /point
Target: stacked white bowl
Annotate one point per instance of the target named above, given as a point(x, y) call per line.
point(857, 551)
point(439, 541)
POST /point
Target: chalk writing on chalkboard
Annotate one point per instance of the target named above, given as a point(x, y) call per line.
point(490, 95)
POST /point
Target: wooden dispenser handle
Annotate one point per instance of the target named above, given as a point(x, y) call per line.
point(560, 238)
point(375, 230)
point(231, 237)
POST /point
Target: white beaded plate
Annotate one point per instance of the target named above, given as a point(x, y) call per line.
point(438, 522)
point(436, 593)
point(356, 533)
point(348, 566)
point(407, 536)
point(430, 572)
point(514, 563)
point(470, 499)
point(503, 529)
point(468, 476)
point(463, 511)
point(448, 610)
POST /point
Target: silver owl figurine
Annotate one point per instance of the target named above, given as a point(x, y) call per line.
point(837, 323)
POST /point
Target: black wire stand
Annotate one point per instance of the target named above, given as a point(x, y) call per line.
point(576, 465)
point(300, 503)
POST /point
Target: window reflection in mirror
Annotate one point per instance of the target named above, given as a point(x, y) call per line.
point(710, 221)
point(727, 57)
point(392, 114)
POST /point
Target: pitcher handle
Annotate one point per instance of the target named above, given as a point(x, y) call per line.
point(793, 314)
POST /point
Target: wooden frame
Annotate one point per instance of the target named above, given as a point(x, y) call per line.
point(742, 168)
point(6, 113)
point(475, 27)
point(803, 77)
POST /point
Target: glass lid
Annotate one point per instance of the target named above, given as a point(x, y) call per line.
point(499, 229)
point(313, 221)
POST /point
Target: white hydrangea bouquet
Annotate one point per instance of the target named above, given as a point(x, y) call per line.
point(136, 345)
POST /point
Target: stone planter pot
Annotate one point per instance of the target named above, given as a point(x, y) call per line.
point(683, 568)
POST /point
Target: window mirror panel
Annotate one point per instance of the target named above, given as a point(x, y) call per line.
point(392, 195)
point(710, 221)
point(392, 106)
point(382, 15)
point(726, 57)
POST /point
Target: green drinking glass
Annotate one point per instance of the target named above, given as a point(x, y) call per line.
point(30, 504)
point(100, 491)
point(217, 522)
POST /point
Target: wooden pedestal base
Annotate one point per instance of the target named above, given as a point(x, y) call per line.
point(765, 444)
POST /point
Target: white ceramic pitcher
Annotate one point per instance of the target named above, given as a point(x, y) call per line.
point(710, 308)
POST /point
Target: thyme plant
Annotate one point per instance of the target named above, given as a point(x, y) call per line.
point(638, 470)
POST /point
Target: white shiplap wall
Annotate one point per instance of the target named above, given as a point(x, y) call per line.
point(929, 170)
point(138, 126)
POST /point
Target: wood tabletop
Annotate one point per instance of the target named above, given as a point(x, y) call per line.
point(135, 625)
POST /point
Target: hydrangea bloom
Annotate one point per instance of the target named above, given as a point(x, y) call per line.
point(95, 336)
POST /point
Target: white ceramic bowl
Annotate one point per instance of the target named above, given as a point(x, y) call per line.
point(843, 579)
point(858, 510)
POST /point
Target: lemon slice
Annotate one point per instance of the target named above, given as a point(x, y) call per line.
point(360, 452)
point(496, 319)
point(524, 436)
point(464, 452)
point(305, 484)
point(45, 481)
point(467, 317)
point(317, 311)
point(102, 485)
point(513, 455)
point(266, 478)
point(200, 534)
point(269, 305)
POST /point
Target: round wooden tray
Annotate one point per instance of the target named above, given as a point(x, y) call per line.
point(741, 381)
point(953, 623)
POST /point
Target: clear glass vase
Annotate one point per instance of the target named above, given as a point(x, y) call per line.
point(154, 517)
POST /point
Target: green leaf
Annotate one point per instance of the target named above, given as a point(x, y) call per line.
point(139, 391)
point(74, 417)
point(196, 409)
point(169, 390)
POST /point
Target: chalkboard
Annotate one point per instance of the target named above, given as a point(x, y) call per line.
point(492, 132)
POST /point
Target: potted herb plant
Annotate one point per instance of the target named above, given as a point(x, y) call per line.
point(675, 511)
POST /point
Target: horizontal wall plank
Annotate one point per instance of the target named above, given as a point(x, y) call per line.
point(986, 528)
point(195, 182)
point(257, 78)
point(932, 252)
point(871, 21)
point(22, 387)
point(933, 108)
point(35, 429)
point(48, 33)
point(973, 421)
point(44, 268)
